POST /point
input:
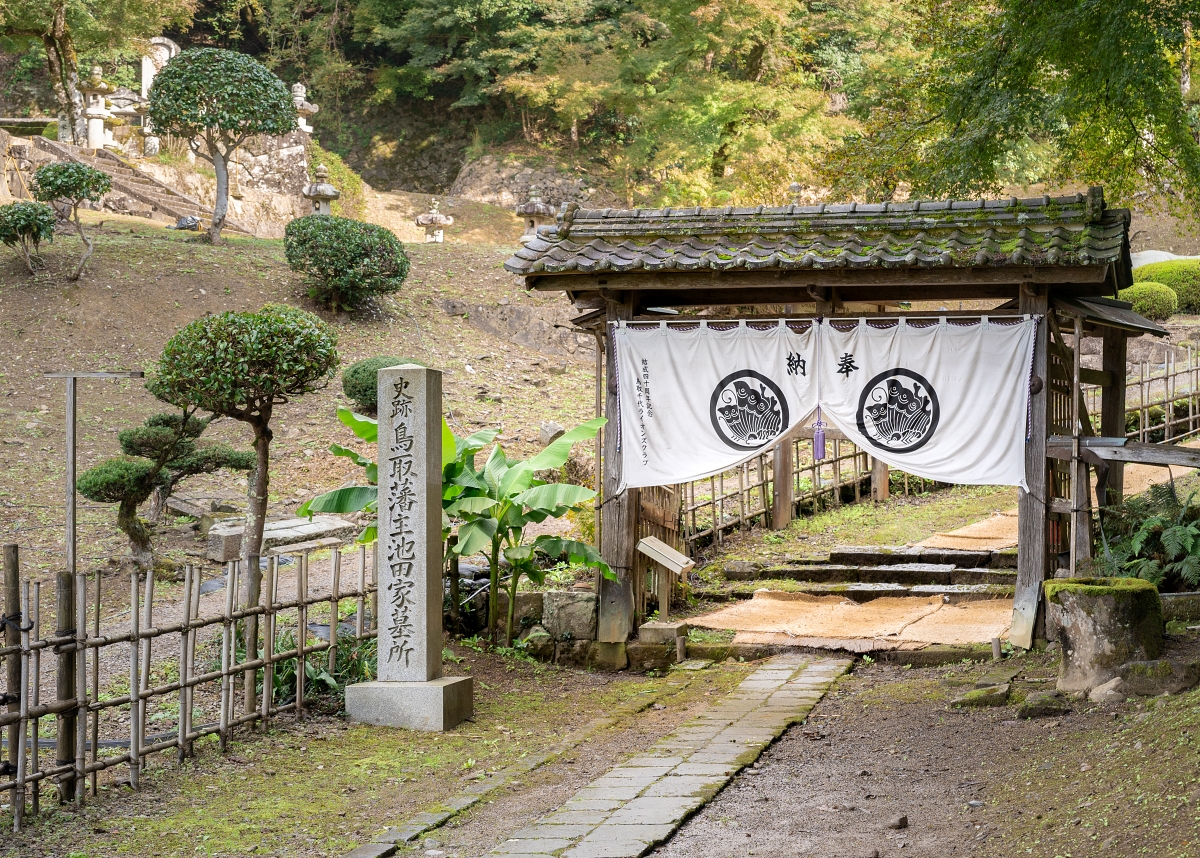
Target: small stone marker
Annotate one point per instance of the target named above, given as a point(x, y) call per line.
point(410, 690)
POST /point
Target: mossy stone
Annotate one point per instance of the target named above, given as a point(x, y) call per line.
point(1103, 623)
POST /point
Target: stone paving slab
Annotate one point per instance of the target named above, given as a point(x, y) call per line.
point(642, 802)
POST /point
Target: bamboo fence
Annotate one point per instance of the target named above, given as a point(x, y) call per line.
point(112, 712)
point(1162, 402)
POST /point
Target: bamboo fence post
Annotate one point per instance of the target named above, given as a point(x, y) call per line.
point(359, 618)
point(96, 689)
point(301, 629)
point(181, 725)
point(147, 652)
point(18, 792)
point(135, 774)
point(81, 709)
point(268, 631)
point(14, 619)
point(35, 693)
point(228, 652)
point(336, 563)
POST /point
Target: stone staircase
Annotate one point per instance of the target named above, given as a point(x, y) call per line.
point(164, 202)
point(865, 573)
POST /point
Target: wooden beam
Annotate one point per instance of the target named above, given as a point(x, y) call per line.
point(838, 278)
point(1112, 406)
point(880, 476)
point(1120, 450)
point(619, 534)
point(1031, 505)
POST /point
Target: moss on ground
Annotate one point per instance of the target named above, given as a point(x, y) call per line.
point(899, 521)
point(322, 786)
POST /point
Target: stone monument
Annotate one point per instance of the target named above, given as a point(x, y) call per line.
point(434, 222)
point(535, 213)
point(410, 690)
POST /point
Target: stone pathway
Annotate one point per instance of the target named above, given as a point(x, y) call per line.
point(645, 800)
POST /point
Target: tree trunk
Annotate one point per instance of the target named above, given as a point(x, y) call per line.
point(512, 607)
point(493, 588)
point(64, 73)
point(141, 549)
point(87, 243)
point(222, 203)
point(256, 494)
point(1185, 61)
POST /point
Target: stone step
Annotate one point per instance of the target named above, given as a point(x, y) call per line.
point(865, 591)
point(901, 573)
point(874, 555)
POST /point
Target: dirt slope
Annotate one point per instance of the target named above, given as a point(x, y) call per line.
point(145, 282)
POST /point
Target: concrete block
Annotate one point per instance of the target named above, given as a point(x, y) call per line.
point(607, 656)
point(224, 542)
point(433, 706)
point(644, 657)
point(529, 606)
point(570, 615)
point(662, 632)
point(572, 653)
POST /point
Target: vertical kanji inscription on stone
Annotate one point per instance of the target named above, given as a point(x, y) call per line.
point(410, 545)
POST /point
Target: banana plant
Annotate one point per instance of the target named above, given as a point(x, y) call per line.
point(490, 506)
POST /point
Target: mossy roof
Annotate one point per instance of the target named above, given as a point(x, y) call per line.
point(1075, 230)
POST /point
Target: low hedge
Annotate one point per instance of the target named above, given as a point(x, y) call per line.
point(1181, 275)
point(1153, 300)
point(346, 261)
point(360, 381)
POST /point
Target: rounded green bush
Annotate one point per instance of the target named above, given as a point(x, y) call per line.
point(1181, 275)
point(115, 480)
point(69, 181)
point(1153, 300)
point(360, 381)
point(345, 260)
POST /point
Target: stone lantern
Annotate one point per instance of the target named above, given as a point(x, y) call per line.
point(95, 110)
point(303, 107)
point(535, 213)
point(320, 191)
point(434, 222)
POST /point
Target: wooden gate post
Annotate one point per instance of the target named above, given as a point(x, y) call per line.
point(619, 535)
point(880, 490)
point(783, 500)
point(1032, 504)
point(1112, 407)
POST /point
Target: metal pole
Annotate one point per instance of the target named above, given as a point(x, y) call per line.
point(67, 728)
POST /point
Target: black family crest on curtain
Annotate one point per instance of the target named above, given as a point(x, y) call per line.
point(898, 410)
point(748, 410)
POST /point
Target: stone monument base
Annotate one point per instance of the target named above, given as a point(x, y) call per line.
point(433, 706)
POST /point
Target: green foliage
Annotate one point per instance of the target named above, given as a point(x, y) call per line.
point(489, 506)
point(71, 182)
point(1152, 300)
point(25, 225)
point(239, 365)
point(242, 365)
point(118, 480)
point(159, 455)
point(360, 380)
point(1155, 537)
point(353, 200)
point(994, 88)
point(220, 95)
point(346, 261)
point(1181, 275)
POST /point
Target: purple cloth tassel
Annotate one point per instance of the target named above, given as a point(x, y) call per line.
point(818, 438)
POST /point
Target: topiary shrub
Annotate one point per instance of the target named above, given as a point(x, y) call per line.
point(360, 381)
point(1181, 275)
point(345, 260)
point(72, 183)
point(25, 225)
point(1152, 300)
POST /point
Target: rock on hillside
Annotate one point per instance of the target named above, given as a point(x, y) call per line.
point(503, 182)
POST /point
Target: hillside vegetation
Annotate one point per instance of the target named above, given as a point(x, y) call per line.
point(146, 282)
